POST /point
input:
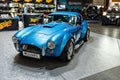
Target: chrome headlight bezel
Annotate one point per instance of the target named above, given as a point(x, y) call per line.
point(51, 45)
point(108, 16)
point(14, 39)
point(117, 16)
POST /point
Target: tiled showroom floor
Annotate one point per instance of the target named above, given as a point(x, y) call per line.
point(99, 54)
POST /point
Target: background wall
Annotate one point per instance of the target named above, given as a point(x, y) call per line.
point(98, 2)
point(115, 0)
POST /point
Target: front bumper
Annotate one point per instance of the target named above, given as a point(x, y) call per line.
point(43, 51)
point(30, 48)
point(109, 20)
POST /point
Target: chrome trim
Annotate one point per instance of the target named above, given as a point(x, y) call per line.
point(16, 46)
point(31, 48)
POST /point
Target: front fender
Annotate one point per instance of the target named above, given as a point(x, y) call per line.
point(65, 40)
point(60, 40)
point(20, 34)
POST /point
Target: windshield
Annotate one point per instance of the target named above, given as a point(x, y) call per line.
point(113, 11)
point(61, 18)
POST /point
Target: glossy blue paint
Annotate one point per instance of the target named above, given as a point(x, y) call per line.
point(84, 28)
point(58, 32)
point(66, 13)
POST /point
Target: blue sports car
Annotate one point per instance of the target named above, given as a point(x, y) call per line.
point(57, 37)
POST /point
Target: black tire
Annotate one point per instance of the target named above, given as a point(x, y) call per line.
point(103, 20)
point(68, 52)
point(118, 22)
point(21, 53)
point(103, 23)
point(87, 35)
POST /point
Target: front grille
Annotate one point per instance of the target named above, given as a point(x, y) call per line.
point(112, 18)
point(31, 48)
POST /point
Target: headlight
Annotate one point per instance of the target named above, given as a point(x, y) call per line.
point(108, 16)
point(104, 13)
point(117, 16)
point(51, 45)
point(14, 39)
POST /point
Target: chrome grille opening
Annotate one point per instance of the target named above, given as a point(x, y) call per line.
point(112, 17)
point(31, 48)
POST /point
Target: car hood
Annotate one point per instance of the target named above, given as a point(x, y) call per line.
point(50, 28)
point(43, 33)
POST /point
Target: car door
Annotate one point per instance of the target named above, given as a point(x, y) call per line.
point(78, 26)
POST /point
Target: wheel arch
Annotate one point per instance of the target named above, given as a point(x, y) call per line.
point(65, 40)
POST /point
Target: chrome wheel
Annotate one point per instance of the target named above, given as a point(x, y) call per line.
point(70, 51)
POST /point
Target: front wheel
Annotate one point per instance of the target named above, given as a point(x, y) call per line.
point(87, 35)
point(118, 22)
point(103, 23)
point(68, 51)
point(103, 20)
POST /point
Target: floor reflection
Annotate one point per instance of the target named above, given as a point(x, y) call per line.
point(47, 62)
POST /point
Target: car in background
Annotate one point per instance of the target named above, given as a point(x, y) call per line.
point(92, 13)
point(57, 37)
point(111, 17)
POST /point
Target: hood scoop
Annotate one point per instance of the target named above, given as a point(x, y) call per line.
point(46, 26)
point(49, 25)
point(50, 28)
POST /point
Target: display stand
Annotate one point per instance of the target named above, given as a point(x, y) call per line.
point(31, 19)
point(8, 24)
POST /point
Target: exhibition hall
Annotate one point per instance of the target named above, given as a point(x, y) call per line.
point(59, 39)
